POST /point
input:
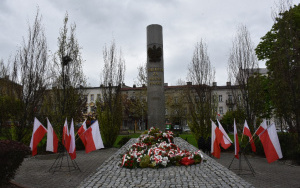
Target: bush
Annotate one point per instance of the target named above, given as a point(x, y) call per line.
point(289, 146)
point(123, 140)
point(12, 154)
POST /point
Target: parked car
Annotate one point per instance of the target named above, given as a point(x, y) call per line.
point(177, 128)
point(186, 129)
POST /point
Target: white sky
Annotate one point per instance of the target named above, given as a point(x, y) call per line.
point(99, 21)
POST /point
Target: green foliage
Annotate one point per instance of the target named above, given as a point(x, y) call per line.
point(190, 138)
point(281, 50)
point(289, 146)
point(119, 137)
point(123, 141)
point(259, 96)
point(110, 118)
point(12, 154)
point(228, 118)
point(79, 144)
point(145, 161)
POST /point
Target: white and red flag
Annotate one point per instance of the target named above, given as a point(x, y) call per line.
point(236, 141)
point(216, 137)
point(81, 132)
point(246, 132)
point(66, 136)
point(93, 138)
point(72, 148)
point(38, 133)
point(225, 142)
point(269, 139)
point(52, 140)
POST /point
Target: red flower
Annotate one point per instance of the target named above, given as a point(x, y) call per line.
point(186, 161)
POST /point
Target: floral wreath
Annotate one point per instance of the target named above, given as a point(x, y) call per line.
point(157, 149)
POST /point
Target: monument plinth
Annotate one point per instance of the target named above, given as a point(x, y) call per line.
point(155, 85)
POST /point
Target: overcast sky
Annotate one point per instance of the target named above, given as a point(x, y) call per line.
point(184, 22)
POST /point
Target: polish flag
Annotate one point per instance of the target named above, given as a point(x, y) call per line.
point(72, 149)
point(81, 131)
point(66, 136)
point(246, 132)
point(216, 137)
point(93, 138)
point(269, 139)
point(52, 140)
point(236, 142)
point(225, 142)
point(38, 133)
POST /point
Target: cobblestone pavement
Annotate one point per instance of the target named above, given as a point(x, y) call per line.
point(277, 174)
point(100, 169)
point(34, 170)
point(207, 174)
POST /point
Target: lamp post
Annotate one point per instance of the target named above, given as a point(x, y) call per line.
point(65, 61)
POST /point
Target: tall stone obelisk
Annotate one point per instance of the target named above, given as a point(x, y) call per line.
point(155, 85)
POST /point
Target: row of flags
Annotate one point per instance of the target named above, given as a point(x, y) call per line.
point(90, 137)
point(267, 135)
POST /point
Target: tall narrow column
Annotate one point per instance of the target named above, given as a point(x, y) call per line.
point(155, 86)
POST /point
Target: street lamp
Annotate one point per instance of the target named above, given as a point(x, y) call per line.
point(65, 61)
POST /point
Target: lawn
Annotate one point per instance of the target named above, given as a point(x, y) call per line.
point(189, 138)
point(120, 137)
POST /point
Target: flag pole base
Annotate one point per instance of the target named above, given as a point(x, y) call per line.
point(63, 163)
point(240, 169)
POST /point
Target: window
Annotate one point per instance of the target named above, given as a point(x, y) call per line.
point(221, 110)
point(92, 97)
point(166, 111)
point(98, 96)
point(239, 98)
point(230, 109)
point(230, 98)
point(220, 98)
point(197, 99)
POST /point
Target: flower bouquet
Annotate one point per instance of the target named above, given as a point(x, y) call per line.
point(157, 149)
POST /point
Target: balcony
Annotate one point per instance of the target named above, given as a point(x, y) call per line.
point(230, 102)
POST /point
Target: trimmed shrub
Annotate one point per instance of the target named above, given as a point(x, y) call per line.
point(12, 154)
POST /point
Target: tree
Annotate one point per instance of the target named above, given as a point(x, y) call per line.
point(228, 120)
point(280, 48)
point(142, 75)
point(242, 64)
point(66, 100)
point(30, 71)
point(199, 95)
point(109, 107)
point(259, 96)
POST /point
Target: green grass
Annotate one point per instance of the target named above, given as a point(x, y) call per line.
point(190, 139)
point(133, 135)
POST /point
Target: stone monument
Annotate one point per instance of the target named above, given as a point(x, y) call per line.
point(155, 85)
